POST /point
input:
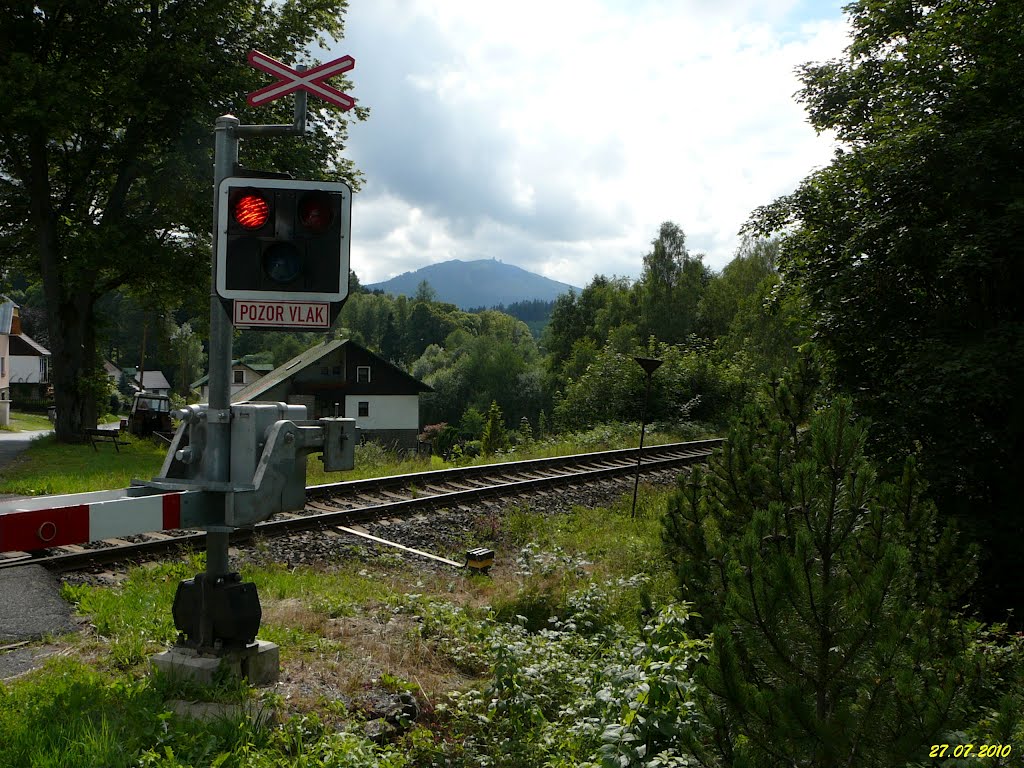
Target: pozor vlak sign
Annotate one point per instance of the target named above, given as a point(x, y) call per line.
point(277, 314)
point(283, 250)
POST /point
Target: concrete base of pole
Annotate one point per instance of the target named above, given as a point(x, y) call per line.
point(259, 664)
point(258, 713)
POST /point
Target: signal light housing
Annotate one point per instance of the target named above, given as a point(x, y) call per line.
point(315, 212)
point(283, 239)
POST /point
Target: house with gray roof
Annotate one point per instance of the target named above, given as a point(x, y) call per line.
point(153, 382)
point(342, 378)
point(243, 374)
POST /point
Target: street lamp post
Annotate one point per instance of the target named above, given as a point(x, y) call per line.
point(650, 365)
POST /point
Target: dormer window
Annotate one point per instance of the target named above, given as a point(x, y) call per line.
point(362, 374)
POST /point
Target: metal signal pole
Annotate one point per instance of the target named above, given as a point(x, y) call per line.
point(216, 457)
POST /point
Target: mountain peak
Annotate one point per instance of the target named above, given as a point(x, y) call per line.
point(478, 283)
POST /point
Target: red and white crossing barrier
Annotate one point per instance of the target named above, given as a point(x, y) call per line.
point(54, 521)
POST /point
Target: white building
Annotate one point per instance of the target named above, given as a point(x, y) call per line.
point(9, 323)
point(30, 364)
point(242, 375)
point(342, 378)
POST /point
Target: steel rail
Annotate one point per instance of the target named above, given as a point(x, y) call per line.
point(575, 469)
point(439, 476)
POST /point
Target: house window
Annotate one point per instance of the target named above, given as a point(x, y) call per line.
point(362, 374)
point(364, 409)
point(325, 370)
point(239, 377)
point(336, 370)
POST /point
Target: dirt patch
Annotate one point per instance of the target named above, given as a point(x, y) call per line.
point(292, 612)
point(362, 658)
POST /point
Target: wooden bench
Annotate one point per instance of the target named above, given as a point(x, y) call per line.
point(105, 435)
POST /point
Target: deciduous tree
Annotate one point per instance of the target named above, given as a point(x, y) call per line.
point(106, 119)
point(909, 249)
point(671, 286)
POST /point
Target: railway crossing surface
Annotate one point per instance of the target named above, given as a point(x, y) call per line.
point(30, 608)
point(30, 603)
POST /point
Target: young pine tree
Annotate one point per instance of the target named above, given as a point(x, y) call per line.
point(828, 593)
point(495, 438)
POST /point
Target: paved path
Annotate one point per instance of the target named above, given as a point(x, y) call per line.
point(13, 443)
point(31, 608)
point(11, 446)
point(30, 603)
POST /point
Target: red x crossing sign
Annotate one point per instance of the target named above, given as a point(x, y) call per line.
point(290, 80)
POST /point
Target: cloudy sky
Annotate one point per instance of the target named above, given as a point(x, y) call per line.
point(558, 135)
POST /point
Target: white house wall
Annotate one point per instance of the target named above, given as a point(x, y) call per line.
point(5, 380)
point(386, 411)
point(5, 366)
point(25, 369)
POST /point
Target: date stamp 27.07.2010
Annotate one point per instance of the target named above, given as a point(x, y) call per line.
point(970, 750)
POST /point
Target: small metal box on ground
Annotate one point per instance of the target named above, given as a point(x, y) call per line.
point(479, 559)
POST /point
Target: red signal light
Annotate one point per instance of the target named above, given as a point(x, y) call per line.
point(251, 210)
point(315, 212)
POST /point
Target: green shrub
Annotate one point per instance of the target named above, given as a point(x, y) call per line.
point(33, 406)
point(578, 692)
point(831, 595)
point(534, 605)
point(495, 437)
point(691, 385)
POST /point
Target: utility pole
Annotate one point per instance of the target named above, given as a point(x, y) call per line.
point(650, 365)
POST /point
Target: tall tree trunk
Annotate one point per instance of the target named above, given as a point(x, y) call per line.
point(69, 317)
point(74, 356)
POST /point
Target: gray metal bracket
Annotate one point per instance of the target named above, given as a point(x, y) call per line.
point(280, 477)
point(269, 446)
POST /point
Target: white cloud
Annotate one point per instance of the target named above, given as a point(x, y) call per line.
point(557, 136)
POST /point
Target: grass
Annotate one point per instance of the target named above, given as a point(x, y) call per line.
point(48, 467)
point(372, 460)
point(71, 714)
point(349, 633)
point(572, 653)
point(27, 422)
point(558, 554)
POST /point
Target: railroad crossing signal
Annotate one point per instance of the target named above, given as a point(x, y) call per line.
point(281, 252)
point(291, 80)
point(283, 249)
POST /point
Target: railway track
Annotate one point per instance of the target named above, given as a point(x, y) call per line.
point(356, 501)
